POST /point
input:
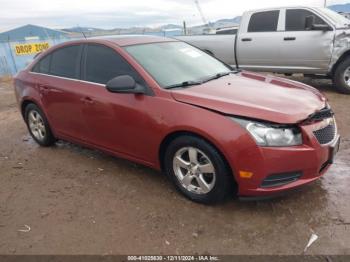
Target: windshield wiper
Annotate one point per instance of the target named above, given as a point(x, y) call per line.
point(192, 83)
point(217, 76)
point(184, 84)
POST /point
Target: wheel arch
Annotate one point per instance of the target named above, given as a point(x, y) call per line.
point(343, 57)
point(175, 134)
point(29, 101)
point(25, 103)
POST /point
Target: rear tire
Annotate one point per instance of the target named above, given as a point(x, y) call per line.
point(198, 170)
point(38, 126)
point(341, 78)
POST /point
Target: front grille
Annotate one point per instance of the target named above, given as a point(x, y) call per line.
point(281, 179)
point(327, 134)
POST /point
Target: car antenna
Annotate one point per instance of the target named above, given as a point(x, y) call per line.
point(81, 30)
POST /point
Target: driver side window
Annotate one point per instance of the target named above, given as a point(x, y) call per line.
point(103, 64)
point(296, 18)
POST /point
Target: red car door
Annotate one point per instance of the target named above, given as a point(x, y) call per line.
point(117, 122)
point(61, 93)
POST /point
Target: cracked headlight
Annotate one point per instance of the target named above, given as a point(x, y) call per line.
point(271, 135)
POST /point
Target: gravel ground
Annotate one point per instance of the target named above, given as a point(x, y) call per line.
point(80, 201)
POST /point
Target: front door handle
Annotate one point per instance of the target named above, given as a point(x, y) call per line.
point(43, 89)
point(289, 38)
point(247, 39)
point(87, 100)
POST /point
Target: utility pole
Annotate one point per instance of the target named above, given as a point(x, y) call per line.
point(325, 3)
point(201, 12)
point(205, 21)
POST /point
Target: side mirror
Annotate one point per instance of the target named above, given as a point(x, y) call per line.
point(124, 84)
point(310, 24)
point(322, 27)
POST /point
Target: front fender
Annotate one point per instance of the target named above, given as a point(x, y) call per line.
point(341, 48)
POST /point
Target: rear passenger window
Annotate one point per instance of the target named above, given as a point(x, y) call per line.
point(65, 61)
point(103, 64)
point(296, 19)
point(264, 21)
point(43, 66)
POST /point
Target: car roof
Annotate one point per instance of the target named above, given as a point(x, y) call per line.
point(119, 40)
point(126, 40)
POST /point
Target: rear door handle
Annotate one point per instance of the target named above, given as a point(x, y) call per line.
point(289, 38)
point(87, 100)
point(247, 39)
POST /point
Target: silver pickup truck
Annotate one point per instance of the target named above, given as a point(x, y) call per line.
point(312, 41)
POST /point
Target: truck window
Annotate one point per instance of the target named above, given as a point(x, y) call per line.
point(295, 19)
point(264, 21)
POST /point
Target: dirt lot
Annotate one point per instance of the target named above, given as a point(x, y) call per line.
point(79, 201)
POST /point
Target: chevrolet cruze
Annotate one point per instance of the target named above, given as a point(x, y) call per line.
point(165, 104)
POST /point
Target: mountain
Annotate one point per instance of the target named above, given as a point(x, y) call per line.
point(345, 8)
point(222, 23)
point(235, 20)
point(170, 27)
point(79, 29)
point(141, 30)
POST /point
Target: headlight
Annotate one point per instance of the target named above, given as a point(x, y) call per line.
point(269, 135)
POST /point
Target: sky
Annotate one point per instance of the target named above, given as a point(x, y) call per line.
point(110, 14)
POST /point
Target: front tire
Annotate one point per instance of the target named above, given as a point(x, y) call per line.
point(198, 170)
point(38, 126)
point(341, 78)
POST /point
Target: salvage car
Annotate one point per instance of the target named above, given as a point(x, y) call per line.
point(311, 41)
point(165, 104)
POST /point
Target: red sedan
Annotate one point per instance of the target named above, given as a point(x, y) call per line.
point(170, 106)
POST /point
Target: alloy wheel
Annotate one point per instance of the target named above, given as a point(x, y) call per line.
point(36, 125)
point(347, 76)
point(194, 170)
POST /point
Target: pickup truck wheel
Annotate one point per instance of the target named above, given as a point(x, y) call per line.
point(341, 78)
point(197, 170)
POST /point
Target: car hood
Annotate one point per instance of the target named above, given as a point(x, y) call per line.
point(255, 96)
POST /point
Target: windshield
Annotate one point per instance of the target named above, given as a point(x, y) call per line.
point(173, 63)
point(335, 17)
